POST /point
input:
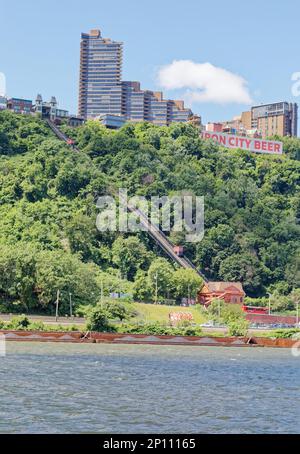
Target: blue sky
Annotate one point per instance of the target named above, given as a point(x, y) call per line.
point(259, 41)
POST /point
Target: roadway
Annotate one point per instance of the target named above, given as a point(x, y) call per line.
point(81, 322)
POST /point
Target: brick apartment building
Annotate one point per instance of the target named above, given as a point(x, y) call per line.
point(276, 119)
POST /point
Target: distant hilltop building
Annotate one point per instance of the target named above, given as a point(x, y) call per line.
point(147, 105)
point(49, 109)
point(276, 119)
point(100, 86)
point(18, 105)
point(262, 121)
point(112, 121)
point(102, 91)
point(46, 109)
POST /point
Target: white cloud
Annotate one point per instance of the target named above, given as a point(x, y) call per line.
point(2, 84)
point(204, 82)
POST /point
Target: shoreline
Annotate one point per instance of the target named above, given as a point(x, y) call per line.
point(144, 339)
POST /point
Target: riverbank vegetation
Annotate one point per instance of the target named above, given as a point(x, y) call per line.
point(48, 236)
point(229, 315)
point(103, 319)
point(23, 323)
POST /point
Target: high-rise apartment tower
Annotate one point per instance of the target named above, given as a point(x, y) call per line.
point(102, 91)
point(100, 87)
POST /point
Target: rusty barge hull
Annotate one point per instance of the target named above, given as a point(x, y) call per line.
point(142, 339)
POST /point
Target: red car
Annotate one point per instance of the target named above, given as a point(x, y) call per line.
point(70, 142)
point(179, 250)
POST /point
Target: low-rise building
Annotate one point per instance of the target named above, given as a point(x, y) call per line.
point(239, 126)
point(196, 121)
point(136, 102)
point(49, 109)
point(75, 121)
point(112, 121)
point(178, 113)
point(146, 105)
point(214, 127)
point(276, 119)
point(18, 105)
point(230, 292)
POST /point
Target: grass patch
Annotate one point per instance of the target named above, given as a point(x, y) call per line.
point(159, 313)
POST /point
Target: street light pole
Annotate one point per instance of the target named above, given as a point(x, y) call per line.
point(297, 317)
point(270, 296)
point(156, 288)
point(57, 303)
point(71, 309)
point(102, 291)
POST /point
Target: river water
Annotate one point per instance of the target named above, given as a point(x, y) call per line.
point(71, 388)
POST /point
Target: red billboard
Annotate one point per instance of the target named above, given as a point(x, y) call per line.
point(245, 143)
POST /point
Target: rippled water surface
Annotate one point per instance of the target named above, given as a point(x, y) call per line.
point(71, 388)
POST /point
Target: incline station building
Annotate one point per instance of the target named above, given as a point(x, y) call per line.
point(230, 292)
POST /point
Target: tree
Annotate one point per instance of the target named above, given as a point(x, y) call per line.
point(57, 270)
point(217, 245)
point(98, 320)
point(187, 283)
point(234, 317)
point(160, 278)
point(118, 310)
point(47, 203)
point(130, 255)
point(71, 177)
point(292, 270)
point(19, 323)
point(281, 303)
point(216, 308)
point(81, 232)
point(230, 315)
point(238, 328)
point(142, 290)
point(244, 268)
point(17, 274)
point(111, 281)
point(295, 295)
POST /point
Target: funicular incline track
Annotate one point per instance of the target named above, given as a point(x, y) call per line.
point(158, 236)
point(59, 134)
point(163, 241)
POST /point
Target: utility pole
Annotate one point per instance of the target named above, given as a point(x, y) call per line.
point(71, 308)
point(156, 288)
point(295, 299)
point(270, 296)
point(189, 294)
point(219, 309)
point(102, 292)
point(57, 303)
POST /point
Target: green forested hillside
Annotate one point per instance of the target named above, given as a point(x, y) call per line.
point(48, 193)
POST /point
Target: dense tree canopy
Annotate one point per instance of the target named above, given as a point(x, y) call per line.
point(48, 194)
